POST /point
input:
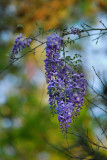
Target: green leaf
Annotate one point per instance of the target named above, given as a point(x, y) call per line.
point(37, 24)
point(7, 55)
point(67, 58)
point(20, 25)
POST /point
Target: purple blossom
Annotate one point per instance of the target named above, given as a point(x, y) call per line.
point(74, 30)
point(66, 89)
point(64, 112)
point(52, 53)
point(18, 46)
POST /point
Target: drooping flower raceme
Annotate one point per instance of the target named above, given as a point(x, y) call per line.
point(71, 99)
point(19, 45)
point(52, 63)
point(52, 53)
point(66, 88)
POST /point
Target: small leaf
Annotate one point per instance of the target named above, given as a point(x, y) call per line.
point(67, 58)
point(37, 24)
point(7, 55)
point(20, 25)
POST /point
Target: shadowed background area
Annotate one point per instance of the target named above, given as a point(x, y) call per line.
point(27, 129)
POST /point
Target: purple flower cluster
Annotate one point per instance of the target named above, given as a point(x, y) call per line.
point(74, 30)
point(52, 61)
point(19, 45)
point(71, 99)
point(66, 89)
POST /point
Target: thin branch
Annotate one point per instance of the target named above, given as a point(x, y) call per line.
point(87, 25)
point(98, 37)
point(85, 137)
point(85, 30)
point(20, 58)
point(97, 92)
point(68, 33)
point(95, 105)
point(103, 24)
point(63, 151)
point(90, 36)
point(100, 141)
point(98, 76)
point(98, 122)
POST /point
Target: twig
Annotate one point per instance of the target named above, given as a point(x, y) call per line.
point(98, 122)
point(20, 58)
point(98, 76)
point(85, 30)
point(95, 105)
point(103, 24)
